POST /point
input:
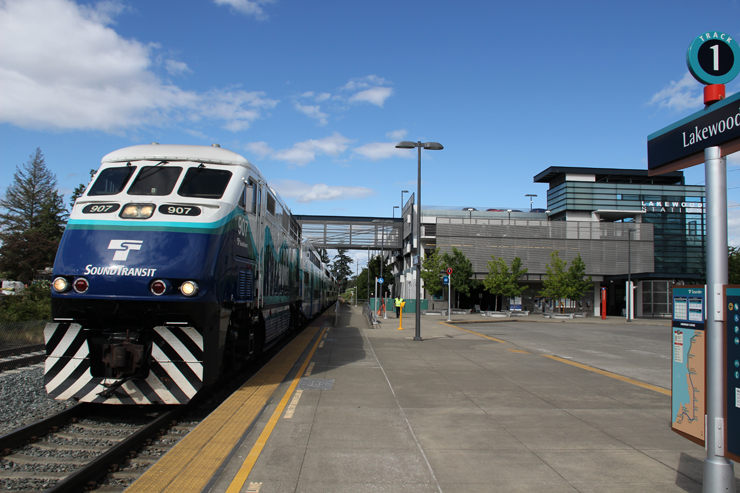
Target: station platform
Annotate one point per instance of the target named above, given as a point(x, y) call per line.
point(359, 408)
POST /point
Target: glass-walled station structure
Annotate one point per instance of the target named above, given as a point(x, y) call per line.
point(622, 222)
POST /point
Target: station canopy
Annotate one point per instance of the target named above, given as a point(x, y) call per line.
point(352, 233)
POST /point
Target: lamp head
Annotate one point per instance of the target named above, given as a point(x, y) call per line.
point(406, 144)
point(433, 146)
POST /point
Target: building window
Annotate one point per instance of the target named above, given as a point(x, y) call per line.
point(656, 299)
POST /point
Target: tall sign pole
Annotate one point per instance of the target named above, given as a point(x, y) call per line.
point(718, 470)
point(713, 58)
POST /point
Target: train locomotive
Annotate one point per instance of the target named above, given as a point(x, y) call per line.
point(178, 262)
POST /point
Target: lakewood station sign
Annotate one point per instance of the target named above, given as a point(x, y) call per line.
point(714, 59)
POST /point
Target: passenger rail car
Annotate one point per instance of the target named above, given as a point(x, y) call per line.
point(177, 262)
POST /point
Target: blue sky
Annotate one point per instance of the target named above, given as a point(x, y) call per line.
point(317, 93)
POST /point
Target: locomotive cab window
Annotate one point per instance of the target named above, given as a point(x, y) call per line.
point(155, 180)
point(111, 181)
point(270, 204)
point(204, 183)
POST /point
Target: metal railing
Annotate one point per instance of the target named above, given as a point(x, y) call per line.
point(369, 313)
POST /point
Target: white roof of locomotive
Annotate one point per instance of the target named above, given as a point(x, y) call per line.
point(167, 152)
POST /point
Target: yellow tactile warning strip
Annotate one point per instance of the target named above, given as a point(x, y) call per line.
point(611, 375)
point(254, 454)
point(473, 332)
point(190, 463)
point(632, 381)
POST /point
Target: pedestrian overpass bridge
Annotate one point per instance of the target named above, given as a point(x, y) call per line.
point(352, 233)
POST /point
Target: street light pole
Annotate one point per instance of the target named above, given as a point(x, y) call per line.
point(357, 277)
point(432, 146)
point(629, 273)
point(531, 196)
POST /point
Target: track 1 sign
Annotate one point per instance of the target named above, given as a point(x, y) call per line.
point(714, 58)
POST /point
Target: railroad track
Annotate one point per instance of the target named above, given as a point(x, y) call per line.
point(73, 450)
point(105, 448)
point(21, 356)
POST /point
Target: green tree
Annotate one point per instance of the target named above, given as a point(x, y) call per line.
point(501, 281)
point(341, 268)
point(513, 288)
point(372, 271)
point(77, 192)
point(27, 196)
point(578, 283)
point(462, 271)
point(33, 304)
point(555, 283)
point(495, 281)
point(733, 265)
point(32, 219)
point(324, 256)
point(431, 268)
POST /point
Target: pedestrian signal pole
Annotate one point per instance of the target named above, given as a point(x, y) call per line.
point(449, 294)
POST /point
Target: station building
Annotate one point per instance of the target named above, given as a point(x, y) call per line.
point(622, 222)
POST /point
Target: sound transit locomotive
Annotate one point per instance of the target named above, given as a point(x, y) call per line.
point(178, 261)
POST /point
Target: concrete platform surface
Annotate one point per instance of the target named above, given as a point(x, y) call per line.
point(464, 411)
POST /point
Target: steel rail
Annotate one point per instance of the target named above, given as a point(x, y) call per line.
point(84, 477)
point(21, 436)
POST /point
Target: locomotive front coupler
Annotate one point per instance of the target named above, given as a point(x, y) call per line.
point(125, 356)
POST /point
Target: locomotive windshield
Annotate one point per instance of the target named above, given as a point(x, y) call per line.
point(155, 180)
point(204, 183)
point(111, 181)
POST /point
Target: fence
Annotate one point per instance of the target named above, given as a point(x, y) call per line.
point(18, 334)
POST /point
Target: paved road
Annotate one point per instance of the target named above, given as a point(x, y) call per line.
point(635, 350)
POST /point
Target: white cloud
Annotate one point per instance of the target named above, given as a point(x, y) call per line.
point(376, 96)
point(370, 89)
point(313, 112)
point(685, 94)
point(733, 224)
point(397, 134)
point(68, 69)
point(248, 7)
point(304, 152)
point(196, 133)
point(381, 150)
point(365, 83)
point(260, 148)
point(176, 68)
point(320, 192)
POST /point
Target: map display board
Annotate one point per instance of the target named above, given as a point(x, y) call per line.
point(688, 382)
point(732, 369)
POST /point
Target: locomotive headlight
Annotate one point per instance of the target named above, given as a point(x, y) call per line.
point(60, 285)
point(137, 211)
point(189, 288)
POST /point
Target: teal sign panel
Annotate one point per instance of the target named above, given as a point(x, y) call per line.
point(714, 58)
point(732, 375)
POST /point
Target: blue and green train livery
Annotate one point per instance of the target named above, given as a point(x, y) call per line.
point(178, 262)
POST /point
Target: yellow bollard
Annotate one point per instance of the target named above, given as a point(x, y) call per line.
point(400, 318)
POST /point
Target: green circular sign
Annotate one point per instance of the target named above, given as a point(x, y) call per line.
point(714, 58)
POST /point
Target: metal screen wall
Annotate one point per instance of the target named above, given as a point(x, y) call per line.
point(602, 246)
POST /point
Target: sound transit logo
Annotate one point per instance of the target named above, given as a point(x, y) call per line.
point(122, 248)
